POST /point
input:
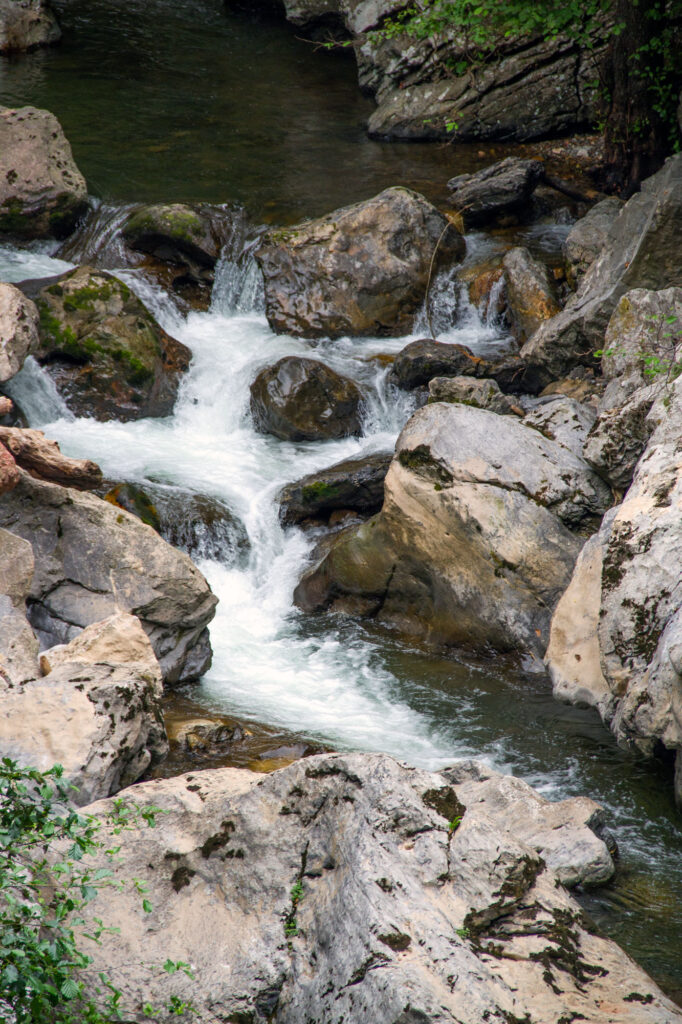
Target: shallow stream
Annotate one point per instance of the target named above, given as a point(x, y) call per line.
point(169, 100)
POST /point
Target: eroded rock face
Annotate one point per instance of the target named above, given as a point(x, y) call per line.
point(356, 484)
point(18, 330)
point(96, 712)
point(642, 251)
point(26, 24)
point(587, 238)
point(503, 188)
point(361, 270)
point(42, 457)
point(531, 296)
point(106, 353)
point(18, 644)
point(301, 399)
point(9, 472)
point(93, 558)
point(356, 864)
point(473, 544)
point(42, 192)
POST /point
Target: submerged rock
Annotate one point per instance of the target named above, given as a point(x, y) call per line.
point(26, 24)
point(361, 270)
point(18, 330)
point(92, 558)
point(418, 896)
point(356, 484)
point(42, 192)
point(301, 399)
point(499, 190)
point(106, 353)
point(472, 545)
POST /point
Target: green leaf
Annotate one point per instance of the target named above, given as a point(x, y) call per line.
point(70, 989)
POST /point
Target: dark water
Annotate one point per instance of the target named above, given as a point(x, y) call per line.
point(172, 100)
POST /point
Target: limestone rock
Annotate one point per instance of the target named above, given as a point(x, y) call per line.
point(483, 394)
point(471, 546)
point(421, 361)
point(9, 473)
point(301, 399)
point(356, 484)
point(26, 24)
point(361, 270)
point(18, 330)
point(18, 644)
point(587, 238)
point(106, 353)
point(531, 297)
point(563, 420)
point(336, 888)
point(93, 558)
point(42, 192)
point(642, 251)
point(500, 189)
point(96, 712)
point(42, 457)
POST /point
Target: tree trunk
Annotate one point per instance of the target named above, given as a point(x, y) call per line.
point(641, 79)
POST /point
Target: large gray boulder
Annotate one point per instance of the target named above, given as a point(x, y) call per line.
point(642, 251)
point(301, 399)
point(18, 330)
point(18, 644)
point(42, 192)
point(474, 544)
point(587, 238)
point(26, 24)
point(351, 887)
point(95, 710)
point(92, 559)
point(361, 270)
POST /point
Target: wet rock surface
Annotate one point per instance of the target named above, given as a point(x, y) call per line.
point(26, 24)
point(427, 908)
point(587, 238)
point(530, 293)
point(499, 190)
point(106, 353)
point(355, 484)
point(422, 360)
point(301, 399)
point(42, 192)
point(361, 270)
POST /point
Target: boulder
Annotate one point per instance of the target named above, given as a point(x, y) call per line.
point(93, 558)
point(96, 711)
point(531, 296)
point(642, 251)
point(301, 399)
point(42, 457)
point(356, 484)
point(42, 192)
point(474, 543)
point(587, 238)
point(351, 887)
point(18, 330)
point(9, 472)
point(361, 270)
point(18, 644)
point(26, 24)
point(421, 361)
point(499, 190)
point(483, 394)
point(183, 236)
point(106, 353)
point(563, 420)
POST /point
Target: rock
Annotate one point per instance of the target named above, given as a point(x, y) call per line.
point(515, 376)
point(421, 361)
point(471, 546)
point(563, 420)
point(92, 559)
point(204, 734)
point(642, 251)
point(583, 390)
point(42, 457)
point(42, 192)
point(349, 862)
point(26, 24)
point(587, 238)
point(531, 297)
point(640, 359)
point(18, 330)
point(175, 233)
point(481, 282)
point(501, 189)
point(9, 473)
point(361, 270)
point(301, 399)
point(96, 712)
point(104, 350)
point(18, 644)
point(356, 484)
point(483, 394)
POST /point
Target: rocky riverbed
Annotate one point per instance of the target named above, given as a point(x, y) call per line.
point(216, 461)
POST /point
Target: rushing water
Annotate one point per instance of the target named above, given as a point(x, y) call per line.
point(183, 101)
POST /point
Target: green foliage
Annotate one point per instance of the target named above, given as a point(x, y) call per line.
point(47, 878)
point(290, 923)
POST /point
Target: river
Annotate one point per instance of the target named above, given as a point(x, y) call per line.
point(171, 101)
